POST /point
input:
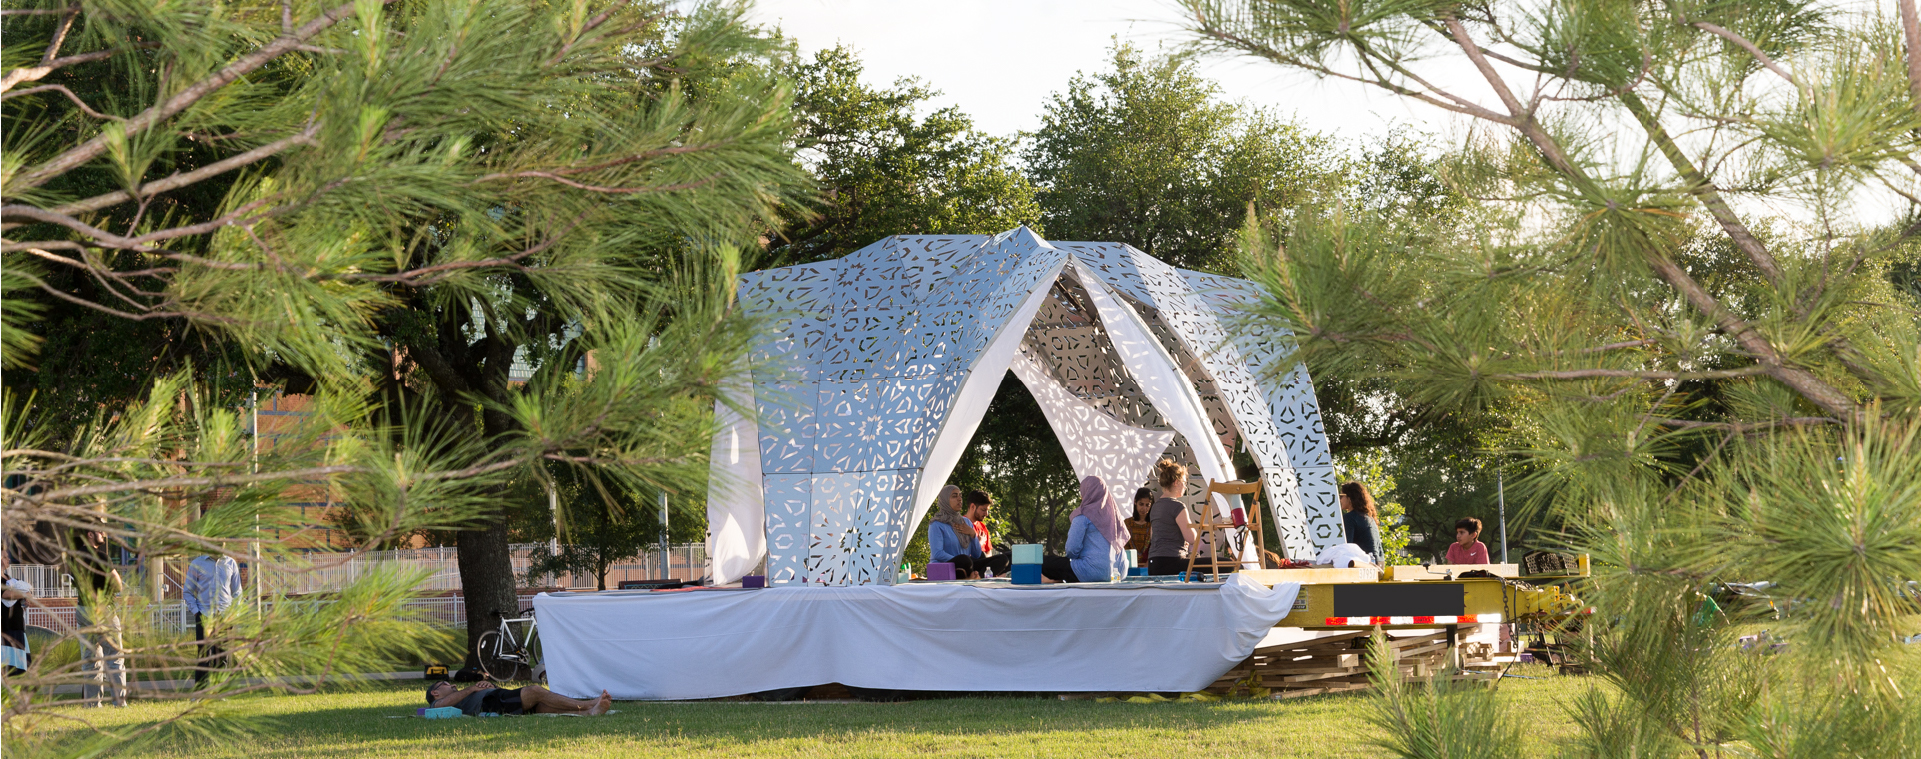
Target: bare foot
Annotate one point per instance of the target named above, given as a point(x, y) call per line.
point(601, 706)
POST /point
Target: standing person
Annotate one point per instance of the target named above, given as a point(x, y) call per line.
point(1467, 547)
point(13, 621)
point(979, 505)
point(1096, 540)
point(950, 535)
point(97, 616)
point(1361, 520)
point(212, 585)
point(1173, 534)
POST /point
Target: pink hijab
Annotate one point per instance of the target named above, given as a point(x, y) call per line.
point(1098, 506)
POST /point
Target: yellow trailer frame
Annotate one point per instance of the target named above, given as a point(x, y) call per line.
point(1487, 600)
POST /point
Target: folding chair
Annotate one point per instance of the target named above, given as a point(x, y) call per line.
point(1226, 539)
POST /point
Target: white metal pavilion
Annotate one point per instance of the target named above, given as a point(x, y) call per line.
point(876, 369)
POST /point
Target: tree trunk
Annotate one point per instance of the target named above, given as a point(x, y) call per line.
point(486, 580)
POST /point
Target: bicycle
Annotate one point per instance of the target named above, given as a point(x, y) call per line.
point(504, 654)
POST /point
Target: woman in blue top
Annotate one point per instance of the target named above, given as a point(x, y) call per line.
point(950, 536)
point(1096, 540)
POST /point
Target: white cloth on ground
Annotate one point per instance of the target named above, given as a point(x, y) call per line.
point(1342, 554)
point(708, 644)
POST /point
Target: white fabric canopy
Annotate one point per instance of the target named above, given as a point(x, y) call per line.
point(1160, 379)
point(944, 637)
point(1098, 445)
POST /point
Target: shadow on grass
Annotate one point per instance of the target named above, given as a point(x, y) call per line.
point(929, 727)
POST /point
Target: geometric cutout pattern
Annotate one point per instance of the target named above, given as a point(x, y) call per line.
point(1097, 444)
point(861, 361)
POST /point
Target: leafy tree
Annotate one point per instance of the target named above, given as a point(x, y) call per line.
point(388, 202)
point(885, 170)
point(1146, 153)
point(1704, 365)
point(601, 529)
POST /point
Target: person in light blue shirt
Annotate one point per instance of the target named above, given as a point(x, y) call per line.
point(950, 535)
point(1096, 540)
point(213, 582)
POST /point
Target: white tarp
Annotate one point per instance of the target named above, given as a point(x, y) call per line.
point(736, 516)
point(708, 644)
point(1097, 445)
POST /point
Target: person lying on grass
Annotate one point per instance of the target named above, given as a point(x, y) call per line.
point(484, 696)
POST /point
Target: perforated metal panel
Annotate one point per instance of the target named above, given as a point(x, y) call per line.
point(862, 359)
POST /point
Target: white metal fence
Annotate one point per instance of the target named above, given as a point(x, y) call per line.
point(174, 617)
point(332, 571)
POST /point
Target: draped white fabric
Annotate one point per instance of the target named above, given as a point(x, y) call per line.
point(708, 644)
point(1097, 444)
point(736, 515)
point(1160, 379)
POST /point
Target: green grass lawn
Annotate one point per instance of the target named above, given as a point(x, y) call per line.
point(355, 724)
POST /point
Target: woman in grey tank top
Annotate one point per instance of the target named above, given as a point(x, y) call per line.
point(1171, 535)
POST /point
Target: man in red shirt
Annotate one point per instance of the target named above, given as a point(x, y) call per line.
point(1467, 547)
point(978, 504)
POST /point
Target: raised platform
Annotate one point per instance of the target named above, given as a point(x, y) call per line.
point(690, 644)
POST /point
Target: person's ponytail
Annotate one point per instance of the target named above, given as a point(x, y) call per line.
point(1169, 473)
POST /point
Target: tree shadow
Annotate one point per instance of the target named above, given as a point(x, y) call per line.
point(922, 726)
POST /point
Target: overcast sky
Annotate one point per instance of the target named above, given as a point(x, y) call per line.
point(1000, 59)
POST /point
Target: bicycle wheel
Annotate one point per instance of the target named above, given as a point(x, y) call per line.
point(488, 652)
point(536, 662)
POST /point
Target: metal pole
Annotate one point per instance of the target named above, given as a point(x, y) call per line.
point(666, 559)
point(1500, 490)
point(553, 511)
point(253, 561)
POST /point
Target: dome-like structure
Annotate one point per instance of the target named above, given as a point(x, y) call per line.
point(876, 368)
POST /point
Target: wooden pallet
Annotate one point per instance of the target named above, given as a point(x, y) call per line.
point(1329, 664)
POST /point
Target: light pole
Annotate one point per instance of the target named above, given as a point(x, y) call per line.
point(253, 560)
point(1500, 494)
point(666, 558)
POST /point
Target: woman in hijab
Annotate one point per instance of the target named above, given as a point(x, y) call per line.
point(1096, 540)
point(950, 536)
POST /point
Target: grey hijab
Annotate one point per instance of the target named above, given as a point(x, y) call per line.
point(945, 511)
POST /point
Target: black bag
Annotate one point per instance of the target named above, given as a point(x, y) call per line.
point(469, 675)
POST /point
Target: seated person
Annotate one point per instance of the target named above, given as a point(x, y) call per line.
point(1467, 547)
point(1138, 528)
point(950, 536)
point(1096, 540)
point(979, 503)
point(484, 696)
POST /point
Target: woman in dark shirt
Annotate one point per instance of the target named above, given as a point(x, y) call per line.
point(1361, 520)
point(1172, 534)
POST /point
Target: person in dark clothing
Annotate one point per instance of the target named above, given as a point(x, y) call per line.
point(1360, 519)
point(13, 621)
point(1173, 535)
point(485, 697)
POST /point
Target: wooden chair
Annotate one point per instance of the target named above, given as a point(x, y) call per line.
point(1224, 538)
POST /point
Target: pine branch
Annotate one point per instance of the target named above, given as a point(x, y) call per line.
point(246, 64)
